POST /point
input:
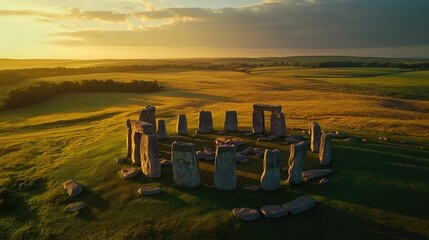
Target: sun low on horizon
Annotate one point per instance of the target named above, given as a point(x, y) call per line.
point(188, 29)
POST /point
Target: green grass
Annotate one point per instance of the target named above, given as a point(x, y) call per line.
point(378, 190)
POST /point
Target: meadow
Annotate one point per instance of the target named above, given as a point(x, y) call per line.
point(379, 190)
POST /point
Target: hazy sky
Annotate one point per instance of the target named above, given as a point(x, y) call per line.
point(212, 28)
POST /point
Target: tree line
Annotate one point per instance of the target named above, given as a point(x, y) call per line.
point(39, 91)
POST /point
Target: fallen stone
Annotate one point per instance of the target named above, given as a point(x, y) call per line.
point(165, 163)
point(252, 188)
point(383, 139)
point(146, 191)
point(300, 204)
point(294, 139)
point(248, 151)
point(324, 181)
point(245, 160)
point(129, 172)
point(229, 141)
point(74, 207)
point(73, 188)
point(315, 173)
point(201, 155)
point(364, 140)
point(273, 137)
point(121, 160)
point(246, 214)
point(220, 133)
point(263, 139)
point(260, 155)
point(209, 152)
point(239, 157)
point(274, 211)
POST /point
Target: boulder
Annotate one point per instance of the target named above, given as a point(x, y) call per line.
point(252, 188)
point(246, 214)
point(182, 125)
point(270, 179)
point(300, 204)
point(274, 211)
point(161, 130)
point(325, 149)
point(74, 207)
point(224, 168)
point(185, 164)
point(296, 161)
point(248, 151)
point(165, 162)
point(315, 133)
point(129, 172)
point(73, 188)
point(239, 157)
point(324, 181)
point(294, 139)
point(315, 173)
point(229, 141)
point(146, 191)
point(201, 155)
point(231, 122)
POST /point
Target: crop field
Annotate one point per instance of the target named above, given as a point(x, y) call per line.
point(378, 190)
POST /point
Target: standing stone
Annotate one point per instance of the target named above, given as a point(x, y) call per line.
point(231, 122)
point(258, 122)
point(278, 124)
point(161, 130)
point(129, 141)
point(149, 156)
point(325, 149)
point(205, 122)
point(182, 125)
point(185, 164)
point(224, 168)
point(138, 128)
point(147, 114)
point(296, 160)
point(270, 179)
point(315, 133)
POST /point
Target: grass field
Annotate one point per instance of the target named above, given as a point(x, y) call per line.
point(378, 190)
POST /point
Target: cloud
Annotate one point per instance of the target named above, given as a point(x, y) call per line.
point(73, 13)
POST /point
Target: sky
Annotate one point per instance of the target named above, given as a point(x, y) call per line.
point(100, 29)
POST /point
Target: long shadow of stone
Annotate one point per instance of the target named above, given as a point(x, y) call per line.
point(93, 200)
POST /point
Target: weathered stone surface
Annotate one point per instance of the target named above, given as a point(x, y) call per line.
point(266, 107)
point(142, 127)
point(161, 130)
point(185, 164)
point(294, 139)
point(248, 151)
point(231, 121)
point(74, 207)
point(325, 149)
point(136, 138)
point(270, 179)
point(129, 172)
point(274, 211)
point(205, 122)
point(146, 191)
point(149, 156)
point(273, 137)
point(252, 188)
point(129, 141)
point(165, 162)
point(229, 141)
point(300, 204)
point(246, 214)
point(315, 133)
point(121, 160)
point(201, 155)
point(182, 125)
point(296, 161)
point(315, 173)
point(278, 124)
point(239, 157)
point(147, 114)
point(258, 121)
point(224, 168)
point(324, 181)
point(73, 188)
